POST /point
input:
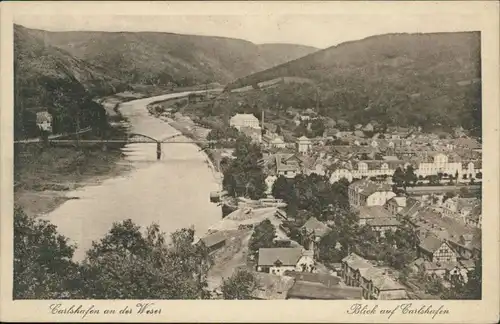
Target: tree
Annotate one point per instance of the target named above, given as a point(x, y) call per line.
point(283, 189)
point(244, 176)
point(43, 266)
point(262, 237)
point(300, 130)
point(347, 225)
point(127, 264)
point(410, 177)
point(327, 247)
point(398, 177)
point(317, 128)
point(239, 286)
point(433, 180)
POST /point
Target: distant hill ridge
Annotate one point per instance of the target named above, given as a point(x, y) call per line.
point(63, 71)
point(159, 58)
point(402, 79)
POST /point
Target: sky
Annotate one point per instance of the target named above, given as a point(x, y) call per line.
point(318, 28)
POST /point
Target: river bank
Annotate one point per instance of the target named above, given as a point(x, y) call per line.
point(45, 174)
point(186, 126)
point(173, 192)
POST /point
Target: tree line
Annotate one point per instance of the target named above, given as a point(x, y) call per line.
point(125, 264)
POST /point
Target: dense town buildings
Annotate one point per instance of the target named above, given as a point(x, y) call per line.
point(446, 223)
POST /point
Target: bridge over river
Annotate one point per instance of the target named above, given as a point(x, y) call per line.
point(173, 192)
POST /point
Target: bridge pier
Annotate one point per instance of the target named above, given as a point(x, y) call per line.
point(158, 151)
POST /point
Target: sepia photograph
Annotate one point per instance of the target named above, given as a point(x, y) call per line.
point(202, 156)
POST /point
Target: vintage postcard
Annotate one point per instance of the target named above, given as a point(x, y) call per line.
point(186, 161)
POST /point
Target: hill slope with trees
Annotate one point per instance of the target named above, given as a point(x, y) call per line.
point(47, 78)
point(397, 79)
point(63, 71)
point(162, 58)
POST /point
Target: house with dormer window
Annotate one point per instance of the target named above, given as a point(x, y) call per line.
point(278, 260)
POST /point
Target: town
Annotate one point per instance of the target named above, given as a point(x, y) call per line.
point(356, 214)
point(167, 166)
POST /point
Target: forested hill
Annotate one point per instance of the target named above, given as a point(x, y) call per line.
point(63, 71)
point(162, 58)
point(427, 79)
point(48, 78)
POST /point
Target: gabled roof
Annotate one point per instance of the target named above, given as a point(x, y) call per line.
point(325, 279)
point(400, 201)
point(383, 222)
point(412, 206)
point(282, 158)
point(310, 290)
point(368, 187)
point(213, 239)
point(243, 117)
point(271, 286)
point(286, 256)
point(368, 212)
point(356, 262)
point(380, 279)
point(431, 243)
point(319, 228)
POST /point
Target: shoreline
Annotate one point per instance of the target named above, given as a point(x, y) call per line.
point(183, 129)
point(42, 197)
point(97, 168)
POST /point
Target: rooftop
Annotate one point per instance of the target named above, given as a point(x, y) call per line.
point(367, 187)
point(286, 256)
point(325, 279)
point(213, 239)
point(431, 243)
point(356, 262)
point(383, 222)
point(368, 212)
point(272, 286)
point(244, 117)
point(319, 228)
point(380, 279)
point(311, 290)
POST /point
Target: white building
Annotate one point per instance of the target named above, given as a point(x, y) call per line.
point(273, 141)
point(368, 168)
point(244, 120)
point(44, 121)
point(442, 164)
point(368, 193)
point(278, 260)
point(303, 144)
point(439, 164)
point(270, 180)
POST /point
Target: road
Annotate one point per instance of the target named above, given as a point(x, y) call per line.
point(173, 192)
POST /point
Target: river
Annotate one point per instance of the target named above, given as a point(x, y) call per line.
point(173, 192)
